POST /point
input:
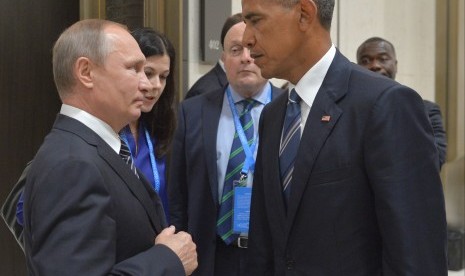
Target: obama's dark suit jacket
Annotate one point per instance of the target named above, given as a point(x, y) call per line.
point(366, 197)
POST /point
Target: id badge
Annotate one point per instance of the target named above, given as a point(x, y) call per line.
point(241, 214)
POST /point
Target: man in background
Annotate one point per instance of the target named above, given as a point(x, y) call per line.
point(379, 55)
point(213, 153)
point(87, 211)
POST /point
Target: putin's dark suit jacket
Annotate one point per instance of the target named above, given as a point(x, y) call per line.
point(193, 186)
point(86, 213)
point(366, 198)
point(214, 79)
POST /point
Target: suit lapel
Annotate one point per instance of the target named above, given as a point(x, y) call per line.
point(135, 185)
point(221, 75)
point(272, 179)
point(275, 92)
point(323, 117)
point(211, 110)
point(117, 164)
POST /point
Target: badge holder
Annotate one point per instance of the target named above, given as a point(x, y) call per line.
point(242, 197)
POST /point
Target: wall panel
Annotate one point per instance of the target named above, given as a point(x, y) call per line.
point(28, 98)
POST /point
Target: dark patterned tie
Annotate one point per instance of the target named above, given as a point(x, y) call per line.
point(290, 140)
point(126, 155)
point(224, 225)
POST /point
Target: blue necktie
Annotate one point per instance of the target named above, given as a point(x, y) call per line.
point(224, 225)
point(125, 154)
point(290, 140)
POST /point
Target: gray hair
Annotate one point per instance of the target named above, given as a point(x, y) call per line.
point(325, 10)
point(85, 38)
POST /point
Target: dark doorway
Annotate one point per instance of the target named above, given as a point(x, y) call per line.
point(28, 98)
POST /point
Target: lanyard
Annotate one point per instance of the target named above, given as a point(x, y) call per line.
point(153, 161)
point(249, 163)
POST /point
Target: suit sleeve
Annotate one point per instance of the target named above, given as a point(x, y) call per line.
point(260, 248)
point(177, 188)
point(434, 114)
point(10, 208)
point(70, 195)
point(401, 163)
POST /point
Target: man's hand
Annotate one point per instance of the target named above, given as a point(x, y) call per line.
point(181, 243)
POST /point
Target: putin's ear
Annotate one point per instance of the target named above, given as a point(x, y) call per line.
point(83, 71)
point(222, 56)
point(308, 13)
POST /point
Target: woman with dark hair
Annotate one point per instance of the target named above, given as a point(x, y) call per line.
point(149, 137)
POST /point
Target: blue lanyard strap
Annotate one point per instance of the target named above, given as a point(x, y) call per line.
point(249, 163)
point(153, 161)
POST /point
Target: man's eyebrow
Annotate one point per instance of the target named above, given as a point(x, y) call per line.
point(250, 15)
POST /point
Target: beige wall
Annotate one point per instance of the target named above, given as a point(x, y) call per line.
point(410, 29)
point(195, 67)
point(461, 82)
point(409, 25)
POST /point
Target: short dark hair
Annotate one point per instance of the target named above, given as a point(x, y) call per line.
point(375, 39)
point(229, 23)
point(325, 10)
point(161, 120)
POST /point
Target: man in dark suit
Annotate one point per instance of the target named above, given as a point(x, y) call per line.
point(379, 55)
point(86, 210)
point(213, 80)
point(205, 160)
point(353, 186)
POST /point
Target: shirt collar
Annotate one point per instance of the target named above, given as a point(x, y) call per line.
point(221, 63)
point(261, 97)
point(101, 128)
point(310, 83)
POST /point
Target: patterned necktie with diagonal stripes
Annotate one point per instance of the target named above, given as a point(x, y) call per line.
point(290, 140)
point(224, 226)
point(126, 156)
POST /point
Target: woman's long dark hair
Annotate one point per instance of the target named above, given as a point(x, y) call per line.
point(161, 120)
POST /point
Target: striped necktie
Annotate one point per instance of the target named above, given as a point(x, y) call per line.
point(126, 156)
point(290, 140)
point(224, 225)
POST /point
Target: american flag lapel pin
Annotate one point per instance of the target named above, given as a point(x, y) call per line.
point(325, 118)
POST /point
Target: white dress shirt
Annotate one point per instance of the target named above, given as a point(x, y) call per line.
point(98, 126)
point(310, 83)
point(226, 131)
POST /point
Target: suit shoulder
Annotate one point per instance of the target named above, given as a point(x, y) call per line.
point(363, 77)
point(195, 103)
point(372, 85)
point(206, 83)
point(429, 105)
